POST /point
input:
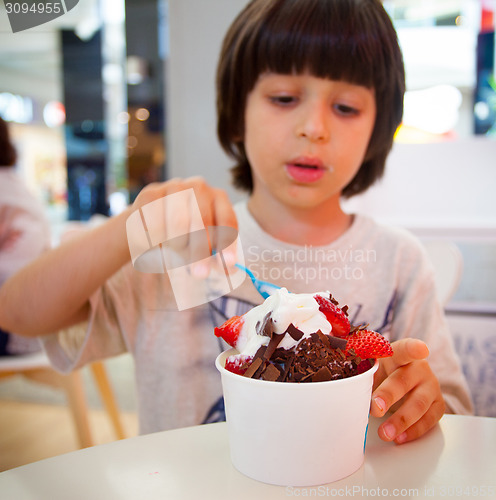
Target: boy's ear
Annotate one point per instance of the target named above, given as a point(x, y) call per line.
point(238, 136)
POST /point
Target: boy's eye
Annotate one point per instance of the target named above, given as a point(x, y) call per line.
point(345, 110)
point(283, 100)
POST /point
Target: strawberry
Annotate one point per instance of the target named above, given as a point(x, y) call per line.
point(335, 315)
point(368, 344)
point(238, 364)
point(229, 331)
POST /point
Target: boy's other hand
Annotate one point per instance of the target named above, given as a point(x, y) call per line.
point(407, 382)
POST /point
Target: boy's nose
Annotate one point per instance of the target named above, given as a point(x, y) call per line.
point(314, 124)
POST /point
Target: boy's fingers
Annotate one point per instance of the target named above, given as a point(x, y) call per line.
point(223, 209)
point(405, 351)
point(179, 221)
point(399, 383)
point(227, 225)
point(417, 415)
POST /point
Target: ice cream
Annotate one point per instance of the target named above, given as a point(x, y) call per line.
point(297, 338)
point(300, 338)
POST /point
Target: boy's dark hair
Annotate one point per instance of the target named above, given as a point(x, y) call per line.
point(8, 154)
point(350, 40)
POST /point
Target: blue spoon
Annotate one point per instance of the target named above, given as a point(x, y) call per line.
point(264, 288)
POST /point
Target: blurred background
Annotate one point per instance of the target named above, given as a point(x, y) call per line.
point(115, 94)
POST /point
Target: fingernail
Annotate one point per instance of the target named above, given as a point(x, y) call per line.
point(401, 438)
point(389, 431)
point(381, 404)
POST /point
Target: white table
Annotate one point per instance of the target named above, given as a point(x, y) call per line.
point(455, 460)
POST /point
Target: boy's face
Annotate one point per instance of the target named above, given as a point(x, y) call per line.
point(305, 138)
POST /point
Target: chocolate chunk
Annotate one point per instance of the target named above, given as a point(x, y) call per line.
point(265, 327)
point(255, 365)
point(268, 328)
point(271, 373)
point(288, 364)
point(261, 352)
point(273, 343)
point(294, 332)
point(337, 342)
point(324, 339)
point(323, 375)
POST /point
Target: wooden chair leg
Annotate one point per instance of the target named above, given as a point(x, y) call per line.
point(107, 396)
point(76, 399)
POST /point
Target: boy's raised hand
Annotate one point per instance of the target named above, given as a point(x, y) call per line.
point(406, 382)
point(176, 219)
point(215, 207)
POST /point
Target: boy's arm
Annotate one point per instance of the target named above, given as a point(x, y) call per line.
point(53, 292)
point(24, 235)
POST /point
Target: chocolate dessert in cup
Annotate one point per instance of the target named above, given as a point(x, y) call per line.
point(297, 386)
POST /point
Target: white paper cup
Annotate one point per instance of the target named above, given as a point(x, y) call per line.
point(292, 434)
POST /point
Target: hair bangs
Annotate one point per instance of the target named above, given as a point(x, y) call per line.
point(319, 37)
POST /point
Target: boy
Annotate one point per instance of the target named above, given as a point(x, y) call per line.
point(309, 95)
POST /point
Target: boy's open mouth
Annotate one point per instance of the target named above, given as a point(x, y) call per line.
point(304, 165)
point(305, 171)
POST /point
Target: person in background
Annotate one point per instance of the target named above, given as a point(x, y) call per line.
point(309, 96)
point(24, 233)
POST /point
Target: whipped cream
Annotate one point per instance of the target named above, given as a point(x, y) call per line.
point(300, 309)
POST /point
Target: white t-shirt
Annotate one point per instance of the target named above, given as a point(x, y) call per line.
point(381, 273)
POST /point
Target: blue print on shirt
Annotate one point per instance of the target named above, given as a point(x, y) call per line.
point(387, 322)
point(385, 326)
point(217, 412)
